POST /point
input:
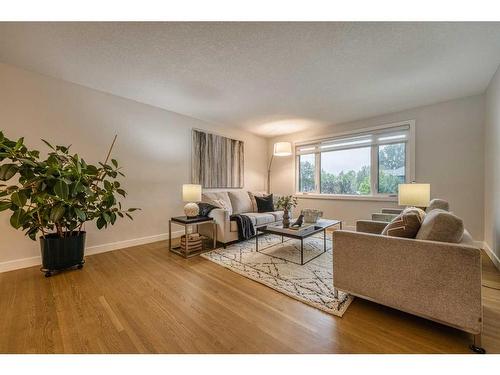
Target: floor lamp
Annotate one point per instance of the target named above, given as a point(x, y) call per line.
point(279, 149)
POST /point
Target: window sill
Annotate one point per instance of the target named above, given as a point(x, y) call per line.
point(348, 197)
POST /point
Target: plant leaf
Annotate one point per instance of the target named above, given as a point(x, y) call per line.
point(80, 214)
point(115, 163)
point(107, 185)
point(57, 213)
point(101, 223)
point(4, 206)
point(7, 171)
point(19, 143)
point(17, 218)
point(19, 198)
point(48, 144)
point(61, 189)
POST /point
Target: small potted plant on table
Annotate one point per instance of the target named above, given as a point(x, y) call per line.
point(286, 203)
point(55, 196)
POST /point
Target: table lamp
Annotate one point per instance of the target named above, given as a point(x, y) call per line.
point(191, 193)
point(415, 195)
point(280, 149)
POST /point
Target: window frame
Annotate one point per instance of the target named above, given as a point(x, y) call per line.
point(409, 166)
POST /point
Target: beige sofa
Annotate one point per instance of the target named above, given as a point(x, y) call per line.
point(440, 281)
point(236, 202)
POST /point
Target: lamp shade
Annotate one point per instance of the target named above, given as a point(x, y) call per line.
point(191, 193)
point(282, 149)
point(417, 195)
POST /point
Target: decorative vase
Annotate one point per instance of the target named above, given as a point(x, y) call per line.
point(286, 218)
point(59, 253)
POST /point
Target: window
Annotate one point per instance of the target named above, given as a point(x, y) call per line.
point(391, 167)
point(307, 168)
point(346, 171)
point(367, 163)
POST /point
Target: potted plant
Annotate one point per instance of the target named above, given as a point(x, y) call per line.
point(55, 196)
point(286, 203)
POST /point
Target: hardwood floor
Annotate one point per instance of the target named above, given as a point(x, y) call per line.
point(145, 300)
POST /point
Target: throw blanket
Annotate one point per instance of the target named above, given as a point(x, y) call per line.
point(245, 226)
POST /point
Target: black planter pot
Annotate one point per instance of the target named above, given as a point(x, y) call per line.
point(62, 253)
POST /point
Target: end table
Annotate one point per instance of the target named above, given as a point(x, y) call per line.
point(186, 222)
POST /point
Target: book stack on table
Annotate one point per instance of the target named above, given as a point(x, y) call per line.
point(305, 228)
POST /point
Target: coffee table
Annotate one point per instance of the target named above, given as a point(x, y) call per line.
point(320, 226)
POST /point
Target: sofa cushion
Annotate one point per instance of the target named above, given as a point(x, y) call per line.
point(405, 224)
point(438, 204)
point(252, 195)
point(442, 226)
point(265, 204)
point(219, 199)
point(278, 215)
point(261, 218)
point(240, 201)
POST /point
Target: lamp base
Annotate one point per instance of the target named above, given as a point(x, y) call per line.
point(191, 210)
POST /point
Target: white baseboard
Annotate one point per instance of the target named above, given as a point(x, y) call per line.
point(494, 258)
point(36, 261)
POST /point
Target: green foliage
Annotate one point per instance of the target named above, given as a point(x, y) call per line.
point(391, 173)
point(59, 193)
point(286, 202)
point(349, 182)
point(391, 158)
point(306, 176)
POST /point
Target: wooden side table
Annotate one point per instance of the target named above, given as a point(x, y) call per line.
point(186, 222)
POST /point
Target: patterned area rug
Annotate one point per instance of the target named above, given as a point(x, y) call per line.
point(311, 283)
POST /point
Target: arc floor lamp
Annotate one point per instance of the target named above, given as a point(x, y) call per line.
point(279, 149)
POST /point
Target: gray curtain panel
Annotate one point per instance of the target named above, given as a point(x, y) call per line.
point(217, 162)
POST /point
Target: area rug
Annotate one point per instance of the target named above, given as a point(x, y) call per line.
point(311, 283)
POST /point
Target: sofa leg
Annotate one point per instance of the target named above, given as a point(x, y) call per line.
point(476, 346)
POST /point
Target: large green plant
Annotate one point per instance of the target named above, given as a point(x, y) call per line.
point(58, 193)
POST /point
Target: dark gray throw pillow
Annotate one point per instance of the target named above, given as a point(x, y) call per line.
point(205, 208)
point(265, 204)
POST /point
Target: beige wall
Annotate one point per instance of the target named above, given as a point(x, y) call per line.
point(492, 165)
point(153, 146)
point(449, 156)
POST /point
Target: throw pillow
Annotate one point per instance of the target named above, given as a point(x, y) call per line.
point(252, 198)
point(405, 224)
point(442, 226)
point(240, 201)
point(437, 203)
point(205, 208)
point(221, 203)
point(265, 204)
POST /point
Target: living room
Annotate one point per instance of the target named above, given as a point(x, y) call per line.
point(249, 187)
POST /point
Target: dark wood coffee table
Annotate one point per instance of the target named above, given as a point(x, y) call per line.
point(320, 226)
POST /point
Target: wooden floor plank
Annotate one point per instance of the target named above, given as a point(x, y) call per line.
point(146, 300)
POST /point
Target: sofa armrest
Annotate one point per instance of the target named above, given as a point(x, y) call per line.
point(222, 218)
point(436, 280)
point(395, 211)
point(370, 226)
point(383, 217)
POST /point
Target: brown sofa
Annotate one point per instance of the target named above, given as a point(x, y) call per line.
point(435, 280)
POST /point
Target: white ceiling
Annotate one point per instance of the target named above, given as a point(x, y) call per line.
point(269, 78)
